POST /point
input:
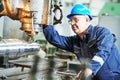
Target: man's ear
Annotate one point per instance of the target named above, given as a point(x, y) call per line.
point(87, 19)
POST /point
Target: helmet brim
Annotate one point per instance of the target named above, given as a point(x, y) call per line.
point(68, 16)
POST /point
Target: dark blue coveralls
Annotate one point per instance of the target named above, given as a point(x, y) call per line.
point(97, 45)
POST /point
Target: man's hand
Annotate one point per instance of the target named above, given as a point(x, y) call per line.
point(84, 74)
point(88, 72)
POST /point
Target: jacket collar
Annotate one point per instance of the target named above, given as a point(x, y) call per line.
point(89, 30)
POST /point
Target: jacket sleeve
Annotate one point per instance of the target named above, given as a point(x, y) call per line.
point(105, 41)
point(53, 37)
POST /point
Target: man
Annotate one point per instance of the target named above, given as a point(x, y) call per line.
point(93, 42)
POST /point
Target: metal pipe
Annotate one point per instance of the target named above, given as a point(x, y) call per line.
point(13, 47)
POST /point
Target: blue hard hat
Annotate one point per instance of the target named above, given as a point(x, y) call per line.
point(80, 9)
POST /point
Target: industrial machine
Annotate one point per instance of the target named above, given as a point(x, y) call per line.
point(31, 14)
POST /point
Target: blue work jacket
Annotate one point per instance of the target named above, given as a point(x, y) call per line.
point(98, 45)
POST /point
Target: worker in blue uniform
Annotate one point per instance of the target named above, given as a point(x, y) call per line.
point(93, 42)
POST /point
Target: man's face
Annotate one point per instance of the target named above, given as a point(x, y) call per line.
point(78, 23)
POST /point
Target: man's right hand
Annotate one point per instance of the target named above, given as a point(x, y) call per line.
point(84, 74)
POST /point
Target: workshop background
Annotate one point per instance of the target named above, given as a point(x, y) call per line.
point(24, 52)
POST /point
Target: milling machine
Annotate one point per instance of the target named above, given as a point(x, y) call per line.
point(32, 14)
